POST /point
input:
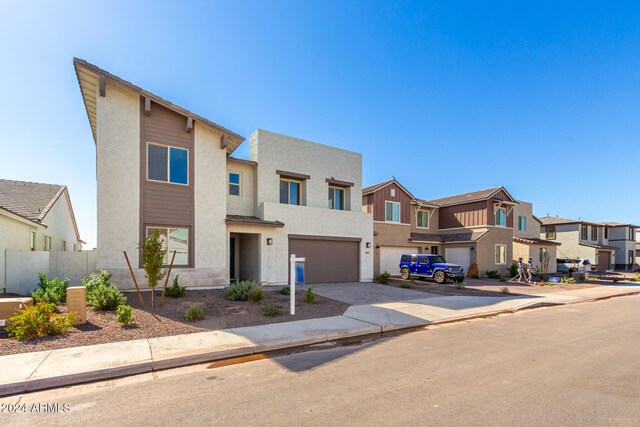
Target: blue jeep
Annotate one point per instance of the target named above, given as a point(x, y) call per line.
point(430, 267)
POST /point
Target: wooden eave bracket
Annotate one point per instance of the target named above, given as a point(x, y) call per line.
point(189, 127)
point(102, 86)
point(147, 106)
point(224, 141)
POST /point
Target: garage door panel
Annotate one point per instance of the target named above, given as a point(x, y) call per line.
point(460, 256)
point(390, 258)
point(328, 261)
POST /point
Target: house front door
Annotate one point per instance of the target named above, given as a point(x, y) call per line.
point(232, 257)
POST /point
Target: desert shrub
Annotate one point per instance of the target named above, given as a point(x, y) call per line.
point(493, 274)
point(195, 312)
point(39, 320)
point(238, 291)
point(286, 290)
point(569, 280)
point(513, 270)
point(505, 290)
point(106, 298)
point(406, 286)
point(309, 296)
point(460, 285)
point(474, 276)
point(94, 280)
point(502, 279)
point(636, 279)
point(272, 309)
point(176, 291)
point(383, 277)
point(50, 290)
point(256, 293)
point(124, 314)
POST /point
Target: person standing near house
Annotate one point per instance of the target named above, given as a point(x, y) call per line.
point(521, 271)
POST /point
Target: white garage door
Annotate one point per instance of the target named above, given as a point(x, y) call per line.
point(460, 256)
point(390, 258)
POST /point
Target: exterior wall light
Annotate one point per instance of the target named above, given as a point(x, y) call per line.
point(269, 241)
point(368, 245)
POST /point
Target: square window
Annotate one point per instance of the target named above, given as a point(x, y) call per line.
point(551, 232)
point(336, 198)
point(167, 164)
point(157, 162)
point(392, 211)
point(234, 184)
point(290, 192)
point(173, 239)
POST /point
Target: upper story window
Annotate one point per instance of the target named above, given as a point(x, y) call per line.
point(501, 217)
point(606, 232)
point(336, 198)
point(392, 211)
point(167, 164)
point(32, 241)
point(594, 233)
point(583, 232)
point(422, 219)
point(632, 233)
point(522, 223)
point(290, 191)
point(551, 232)
point(234, 184)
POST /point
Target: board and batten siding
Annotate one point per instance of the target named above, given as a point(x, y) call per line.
point(466, 215)
point(382, 195)
point(166, 204)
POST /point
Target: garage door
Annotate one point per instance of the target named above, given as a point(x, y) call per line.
point(604, 261)
point(390, 258)
point(460, 256)
point(328, 261)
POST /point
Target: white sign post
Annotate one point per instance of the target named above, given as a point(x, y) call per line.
point(292, 282)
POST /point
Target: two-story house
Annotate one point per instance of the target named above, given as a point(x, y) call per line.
point(527, 243)
point(469, 228)
point(35, 217)
point(580, 240)
point(623, 237)
point(162, 168)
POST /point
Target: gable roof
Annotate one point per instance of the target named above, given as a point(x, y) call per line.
point(375, 187)
point(33, 200)
point(471, 197)
point(619, 224)
point(89, 78)
point(554, 220)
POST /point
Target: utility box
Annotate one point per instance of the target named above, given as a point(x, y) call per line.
point(9, 307)
point(77, 301)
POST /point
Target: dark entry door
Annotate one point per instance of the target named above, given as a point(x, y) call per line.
point(232, 257)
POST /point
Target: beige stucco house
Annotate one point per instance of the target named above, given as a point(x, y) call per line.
point(527, 243)
point(163, 168)
point(35, 217)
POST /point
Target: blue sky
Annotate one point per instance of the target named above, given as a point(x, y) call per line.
point(448, 97)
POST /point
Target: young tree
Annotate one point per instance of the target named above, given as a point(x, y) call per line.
point(153, 253)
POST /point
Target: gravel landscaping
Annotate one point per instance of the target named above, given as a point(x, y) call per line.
point(220, 313)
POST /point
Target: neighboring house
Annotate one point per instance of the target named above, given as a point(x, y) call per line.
point(163, 168)
point(527, 243)
point(580, 239)
point(468, 228)
point(623, 237)
point(35, 217)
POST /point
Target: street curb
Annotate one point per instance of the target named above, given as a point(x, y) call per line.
point(31, 385)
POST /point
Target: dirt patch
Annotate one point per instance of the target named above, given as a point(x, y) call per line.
point(101, 327)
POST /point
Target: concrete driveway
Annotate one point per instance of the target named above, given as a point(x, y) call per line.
point(358, 293)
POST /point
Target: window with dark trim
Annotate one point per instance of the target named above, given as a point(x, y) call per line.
point(234, 184)
point(167, 164)
point(584, 233)
point(594, 233)
point(392, 211)
point(501, 217)
point(551, 232)
point(173, 239)
point(336, 198)
point(522, 223)
point(422, 219)
point(290, 192)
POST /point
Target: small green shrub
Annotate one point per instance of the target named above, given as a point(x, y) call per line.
point(405, 286)
point(493, 274)
point(616, 279)
point(286, 290)
point(272, 309)
point(383, 277)
point(124, 314)
point(475, 276)
point(502, 279)
point(94, 280)
point(106, 298)
point(460, 285)
point(51, 290)
point(505, 290)
point(569, 280)
point(256, 293)
point(176, 291)
point(238, 291)
point(39, 320)
point(513, 270)
point(195, 312)
point(309, 296)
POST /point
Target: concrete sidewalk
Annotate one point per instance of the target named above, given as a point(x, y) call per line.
point(55, 368)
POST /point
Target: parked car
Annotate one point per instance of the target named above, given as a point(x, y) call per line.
point(585, 266)
point(568, 265)
point(429, 267)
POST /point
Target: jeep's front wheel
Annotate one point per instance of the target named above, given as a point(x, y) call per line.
point(404, 273)
point(440, 277)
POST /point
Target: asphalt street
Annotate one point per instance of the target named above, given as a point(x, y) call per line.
point(569, 365)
